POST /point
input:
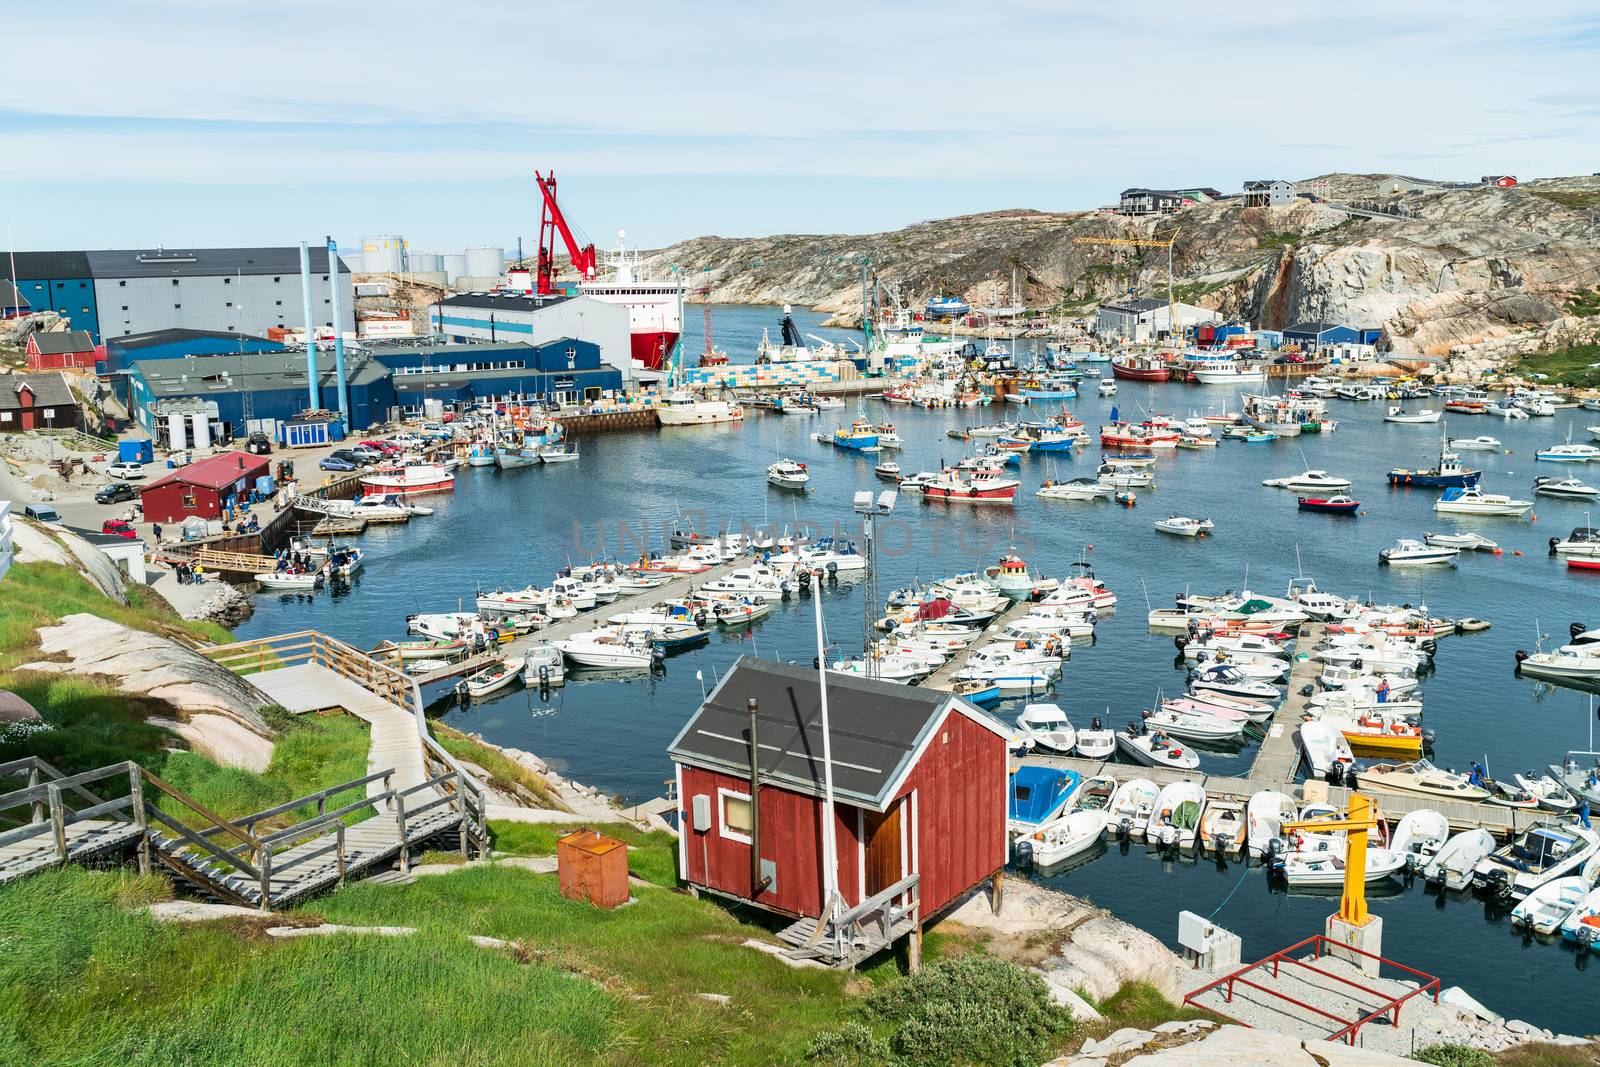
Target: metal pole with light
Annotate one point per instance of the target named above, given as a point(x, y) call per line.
point(867, 508)
point(830, 866)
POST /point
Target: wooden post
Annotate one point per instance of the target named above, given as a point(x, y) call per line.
point(339, 841)
point(914, 949)
point(264, 867)
point(466, 816)
point(400, 821)
point(36, 810)
point(58, 820)
point(140, 819)
point(997, 891)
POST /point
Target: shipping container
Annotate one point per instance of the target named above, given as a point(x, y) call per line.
point(136, 451)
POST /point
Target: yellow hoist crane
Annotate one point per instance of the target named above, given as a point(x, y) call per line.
point(1359, 819)
point(1156, 240)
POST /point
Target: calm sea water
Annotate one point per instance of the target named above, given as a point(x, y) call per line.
point(511, 528)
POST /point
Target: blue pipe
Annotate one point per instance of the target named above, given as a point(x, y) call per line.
point(311, 329)
point(338, 332)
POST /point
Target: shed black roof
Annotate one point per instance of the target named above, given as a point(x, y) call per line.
point(1138, 305)
point(47, 265)
point(49, 390)
point(63, 342)
point(876, 728)
point(1315, 329)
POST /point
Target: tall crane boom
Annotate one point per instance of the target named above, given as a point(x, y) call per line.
point(1153, 241)
point(551, 222)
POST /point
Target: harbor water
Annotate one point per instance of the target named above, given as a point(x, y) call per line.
point(511, 528)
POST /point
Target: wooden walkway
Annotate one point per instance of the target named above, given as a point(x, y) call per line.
point(1279, 755)
point(396, 744)
point(945, 677)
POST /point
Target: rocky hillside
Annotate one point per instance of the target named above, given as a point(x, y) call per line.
point(1461, 268)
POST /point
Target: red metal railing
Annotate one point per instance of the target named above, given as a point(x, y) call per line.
point(1388, 1005)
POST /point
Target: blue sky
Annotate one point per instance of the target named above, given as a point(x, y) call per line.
point(186, 122)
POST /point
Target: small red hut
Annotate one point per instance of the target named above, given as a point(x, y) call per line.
point(919, 786)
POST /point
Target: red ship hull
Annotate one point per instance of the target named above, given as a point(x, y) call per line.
point(654, 348)
point(1141, 374)
point(969, 495)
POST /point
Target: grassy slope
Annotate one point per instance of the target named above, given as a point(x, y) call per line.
point(1567, 366)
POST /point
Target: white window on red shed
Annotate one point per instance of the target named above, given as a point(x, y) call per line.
point(735, 820)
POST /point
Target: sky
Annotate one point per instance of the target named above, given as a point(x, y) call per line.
point(213, 122)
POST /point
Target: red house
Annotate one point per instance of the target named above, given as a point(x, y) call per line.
point(1503, 181)
point(206, 488)
point(37, 402)
point(919, 784)
point(63, 350)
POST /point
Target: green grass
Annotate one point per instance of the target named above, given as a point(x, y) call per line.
point(1142, 1005)
point(1541, 1054)
point(1577, 201)
point(1566, 366)
point(504, 772)
point(652, 854)
point(1585, 305)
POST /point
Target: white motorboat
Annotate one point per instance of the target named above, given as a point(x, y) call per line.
point(1367, 679)
point(1582, 541)
point(543, 665)
point(1222, 826)
point(1107, 387)
point(302, 582)
point(1400, 414)
point(1155, 750)
point(1076, 489)
point(1410, 552)
point(1505, 411)
point(1544, 909)
point(1265, 815)
point(1566, 661)
point(1570, 488)
point(758, 580)
point(1568, 453)
point(1420, 778)
point(1175, 822)
point(1229, 680)
point(1535, 858)
point(787, 474)
point(1473, 501)
point(1193, 724)
point(1421, 833)
point(1310, 481)
point(1068, 836)
point(1035, 625)
point(491, 679)
point(1583, 783)
point(1325, 749)
point(1045, 726)
point(1582, 924)
point(1254, 710)
point(1466, 542)
point(609, 646)
point(1547, 790)
point(1132, 805)
point(1324, 869)
point(1234, 646)
point(1451, 866)
point(1096, 742)
point(886, 668)
point(1356, 700)
point(1123, 476)
point(1183, 526)
point(685, 409)
point(1482, 443)
point(1261, 670)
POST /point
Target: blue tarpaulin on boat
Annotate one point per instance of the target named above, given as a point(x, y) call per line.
point(1037, 793)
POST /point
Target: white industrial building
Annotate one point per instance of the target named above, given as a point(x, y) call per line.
point(538, 320)
point(1147, 319)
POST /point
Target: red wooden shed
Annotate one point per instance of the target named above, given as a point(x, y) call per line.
point(919, 783)
point(63, 350)
point(205, 488)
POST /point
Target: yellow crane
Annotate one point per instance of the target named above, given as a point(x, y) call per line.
point(1359, 819)
point(1155, 240)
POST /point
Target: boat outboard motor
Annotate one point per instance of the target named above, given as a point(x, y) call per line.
point(544, 676)
point(1125, 826)
point(658, 658)
point(1274, 852)
point(1022, 849)
point(1336, 773)
point(1575, 629)
point(1180, 642)
point(1520, 655)
point(1094, 723)
point(1554, 541)
point(1308, 690)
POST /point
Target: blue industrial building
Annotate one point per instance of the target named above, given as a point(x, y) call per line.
point(240, 393)
point(122, 352)
point(1318, 334)
point(62, 282)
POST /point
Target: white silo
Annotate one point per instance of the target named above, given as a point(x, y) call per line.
point(486, 261)
point(176, 438)
point(383, 254)
point(455, 265)
point(202, 429)
point(424, 262)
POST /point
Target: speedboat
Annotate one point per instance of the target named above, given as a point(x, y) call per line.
point(1234, 646)
point(543, 665)
point(1124, 476)
point(1325, 749)
point(1451, 866)
point(1193, 724)
point(1183, 526)
point(1400, 414)
point(1132, 805)
point(1265, 815)
point(1467, 542)
point(1036, 796)
point(1076, 489)
point(1327, 868)
point(1420, 778)
point(1108, 387)
point(1254, 710)
point(1154, 749)
point(1544, 909)
point(1568, 453)
point(1547, 790)
point(1536, 857)
point(1333, 505)
point(1472, 501)
point(1483, 443)
point(787, 474)
point(302, 582)
point(1228, 679)
point(1175, 822)
point(491, 679)
point(609, 646)
point(1310, 481)
point(1410, 552)
point(1564, 487)
point(1060, 840)
point(1222, 826)
point(1582, 541)
point(1045, 726)
point(1581, 662)
point(1096, 742)
point(889, 471)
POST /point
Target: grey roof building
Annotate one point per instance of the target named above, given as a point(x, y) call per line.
point(62, 342)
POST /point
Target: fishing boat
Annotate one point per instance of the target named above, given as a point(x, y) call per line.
point(1012, 578)
point(1096, 742)
point(1154, 750)
point(481, 455)
point(1036, 796)
point(974, 692)
point(1473, 501)
point(1466, 542)
point(682, 408)
point(413, 479)
point(1127, 435)
point(1311, 481)
point(1420, 778)
point(971, 487)
point(1132, 805)
point(1570, 488)
point(1449, 474)
point(787, 474)
point(861, 436)
point(302, 582)
point(543, 665)
point(1175, 822)
point(1451, 866)
point(1481, 443)
point(1228, 372)
point(1334, 505)
point(491, 679)
point(1070, 835)
point(1400, 414)
point(1265, 814)
point(1183, 526)
point(1413, 553)
point(1139, 368)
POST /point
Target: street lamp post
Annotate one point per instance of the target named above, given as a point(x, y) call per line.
point(868, 509)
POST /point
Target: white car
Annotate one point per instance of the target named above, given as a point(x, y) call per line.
point(128, 471)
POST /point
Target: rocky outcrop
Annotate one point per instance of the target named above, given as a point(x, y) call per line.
point(150, 665)
point(1202, 1045)
point(35, 544)
point(221, 603)
point(1458, 267)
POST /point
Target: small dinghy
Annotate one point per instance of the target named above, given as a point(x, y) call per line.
point(1265, 815)
point(1451, 866)
point(1465, 542)
point(1546, 908)
point(1326, 869)
point(1155, 749)
point(1550, 794)
point(1193, 725)
point(543, 665)
point(1222, 827)
point(1419, 835)
point(1175, 822)
point(1131, 806)
point(1325, 749)
point(1183, 526)
point(493, 678)
point(1400, 414)
point(1066, 837)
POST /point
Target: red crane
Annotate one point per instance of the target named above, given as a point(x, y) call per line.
point(550, 221)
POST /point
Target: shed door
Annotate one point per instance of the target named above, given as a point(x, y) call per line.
point(883, 849)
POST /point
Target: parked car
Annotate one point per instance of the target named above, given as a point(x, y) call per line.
point(128, 470)
point(349, 455)
point(334, 463)
point(115, 493)
point(257, 444)
point(41, 513)
point(367, 455)
point(437, 430)
point(118, 528)
point(388, 448)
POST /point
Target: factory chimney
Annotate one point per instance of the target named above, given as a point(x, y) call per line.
point(338, 333)
point(311, 328)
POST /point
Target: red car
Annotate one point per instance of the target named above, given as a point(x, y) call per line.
point(386, 447)
point(118, 528)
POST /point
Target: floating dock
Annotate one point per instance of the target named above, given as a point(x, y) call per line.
point(945, 677)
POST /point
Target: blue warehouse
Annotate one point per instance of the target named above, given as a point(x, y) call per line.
point(122, 352)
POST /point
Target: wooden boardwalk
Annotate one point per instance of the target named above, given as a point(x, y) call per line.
point(1279, 755)
point(945, 677)
point(396, 744)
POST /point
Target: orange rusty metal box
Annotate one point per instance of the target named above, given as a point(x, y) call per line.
point(593, 867)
